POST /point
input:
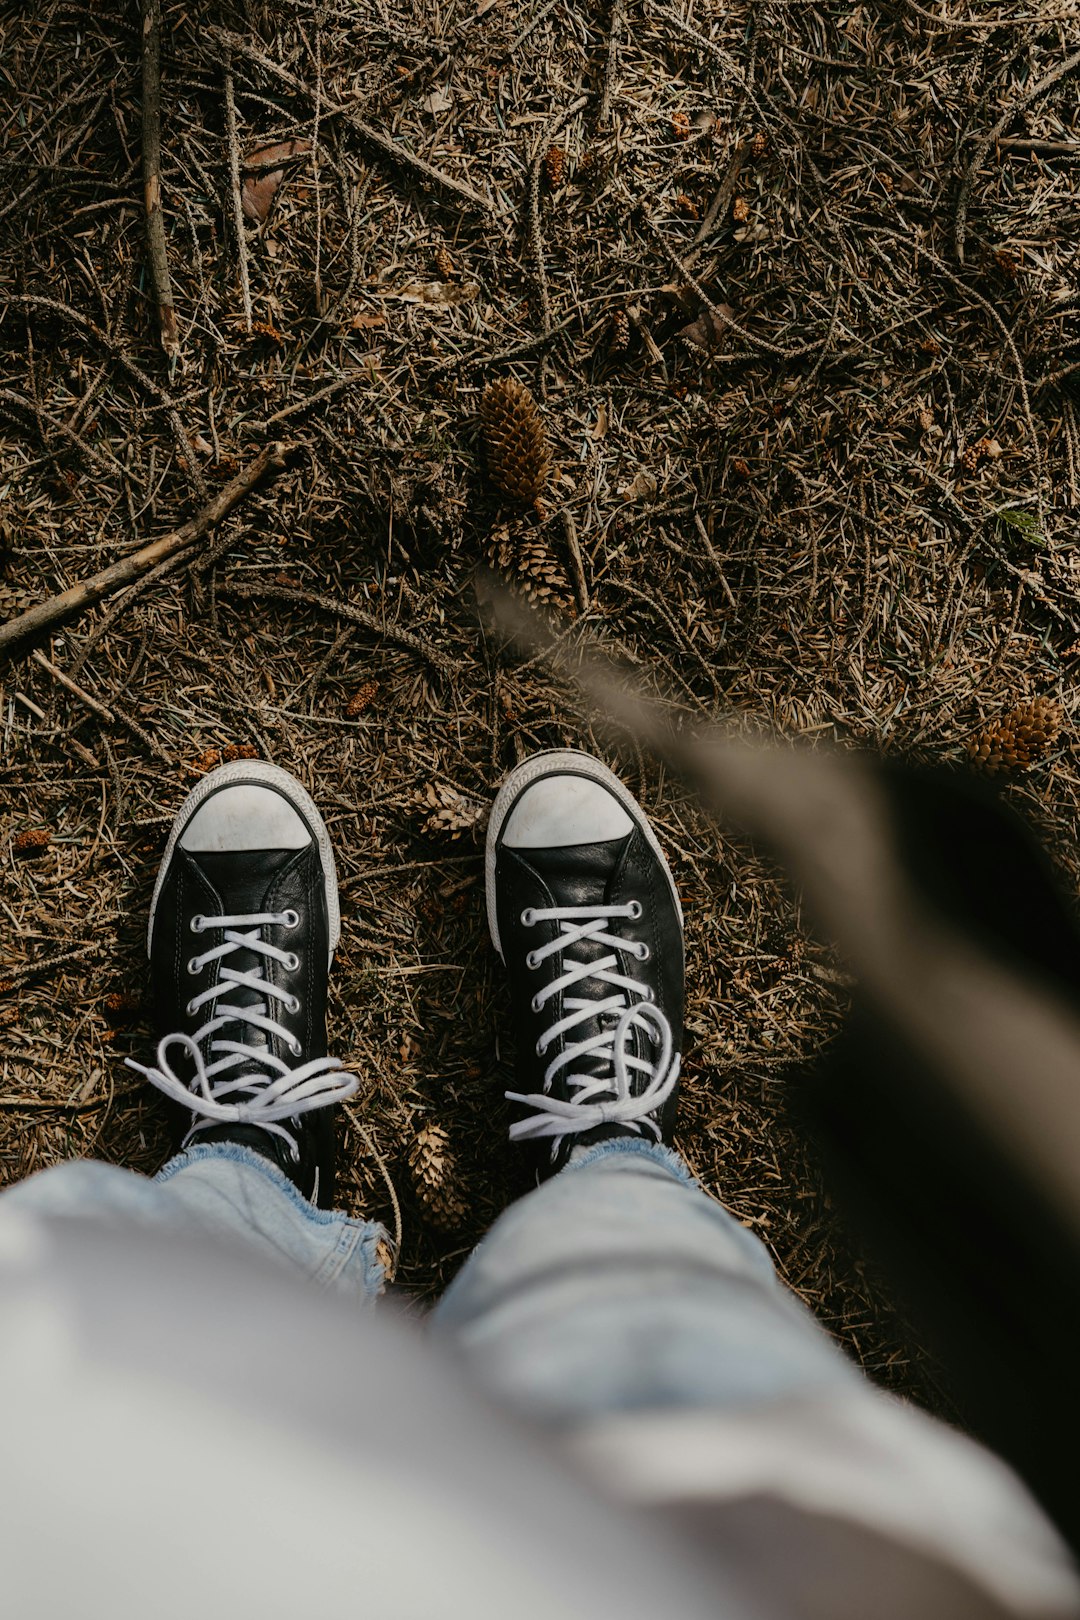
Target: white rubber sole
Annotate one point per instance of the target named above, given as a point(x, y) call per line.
point(570, 761)
point(266, 775)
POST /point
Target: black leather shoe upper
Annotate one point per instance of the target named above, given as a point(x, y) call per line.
point(614, 872)
point(287, 882)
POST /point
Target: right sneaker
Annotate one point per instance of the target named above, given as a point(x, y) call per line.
point(583, 910)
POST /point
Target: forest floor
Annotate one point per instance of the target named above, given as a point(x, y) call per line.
point(796, 299)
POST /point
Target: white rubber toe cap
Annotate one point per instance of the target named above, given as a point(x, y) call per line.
point(246, 816)
point(561, 810)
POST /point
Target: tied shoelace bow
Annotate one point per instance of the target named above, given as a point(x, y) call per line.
point(599, 1099)
point(275, 1093)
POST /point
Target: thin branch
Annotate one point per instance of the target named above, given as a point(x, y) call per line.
point(347, 610)
point(536, 239)
point(682, 269)
point(151, 147)
point(43, 1105)
point(375, 137)
point(160, 395)
point(1026, 143)
point(987, 141)
point(948, 25)
point(615, 29)
point(72, 686)
point(234, 188)
point(577, 566)
point(57, 608)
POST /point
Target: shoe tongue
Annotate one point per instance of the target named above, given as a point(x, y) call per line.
point(581, 875)
point(578, 874)
point(242, 879)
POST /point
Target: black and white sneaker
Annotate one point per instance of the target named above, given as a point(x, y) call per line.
point(583, 910)
point(243, 925)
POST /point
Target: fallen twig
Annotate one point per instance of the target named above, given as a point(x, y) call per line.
point(298, 406)
point(133, 369)
point(682, 269)
point(1026, 143)
point(118, 574)
point(72, 686)
point(722, 201)
point(577, 567)
point(987, 141)
point(35, 1105)
point(234, 188)
point(536, 239)
point(375, 137)
point(151, 147)
point(949, 25)
point(347, 610)
point(615, 28)
point(34, 970)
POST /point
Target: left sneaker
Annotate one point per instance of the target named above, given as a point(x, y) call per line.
point(583, 910)
point(243, 925)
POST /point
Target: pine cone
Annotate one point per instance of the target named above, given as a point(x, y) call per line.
point(518, 454)
point(1018, 739)
point(555, 167)
point(758, 144)
point(444, 264)
point(434, 1176)
point(32, 841)
point(449, 812)
point(13, 601)
point(362, 699)
point(531, 567)
point(620, 331)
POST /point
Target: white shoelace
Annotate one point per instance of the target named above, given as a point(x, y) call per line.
point(276, 1092)
point(553, 1116)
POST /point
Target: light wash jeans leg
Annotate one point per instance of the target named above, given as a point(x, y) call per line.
point(620, 1286)
point(219, 1191)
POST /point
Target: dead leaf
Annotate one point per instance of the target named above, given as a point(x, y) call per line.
point(752, 233)
point(445, 293)
point(258, 191)
point(440, 100)
point(643, 487)
point(709, 331)
point(362, 321)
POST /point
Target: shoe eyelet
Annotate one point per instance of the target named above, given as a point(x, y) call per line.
point(528, 917)
point(295, 1048)
point(647, 994)
point(536, 1004)
point(193, 965)
point(634, 910)
point(643, 952)
point(292, 962)
point(293, 1004)
point(290, 918)
point(540, 1049)
point(532, 960)
point(198, 923)
point(190, 1009)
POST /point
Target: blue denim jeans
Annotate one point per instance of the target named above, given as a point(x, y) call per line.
point(618, 1285)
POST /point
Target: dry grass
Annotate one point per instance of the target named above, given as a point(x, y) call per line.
point(796, 517)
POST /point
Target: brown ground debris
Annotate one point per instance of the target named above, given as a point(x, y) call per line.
point(785, 282)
